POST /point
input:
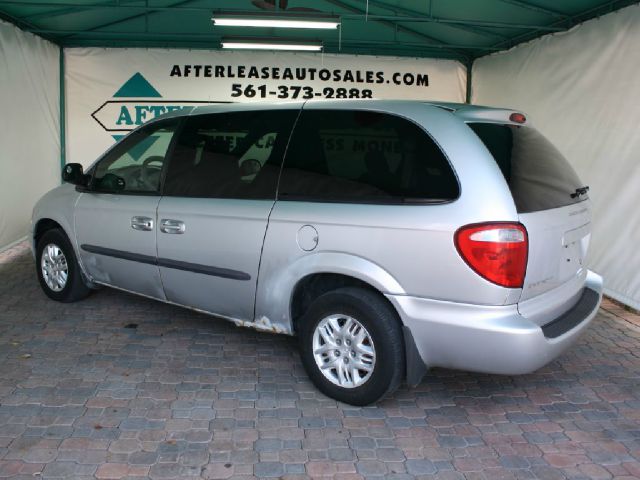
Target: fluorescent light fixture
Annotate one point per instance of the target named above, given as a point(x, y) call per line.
point(271, 44)
point(327, 22)
point(263, 22)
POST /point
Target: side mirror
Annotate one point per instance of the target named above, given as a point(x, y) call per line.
point(72, 173)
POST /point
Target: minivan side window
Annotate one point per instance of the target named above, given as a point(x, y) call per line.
point(230, 155)
point(364, 156)
point(137, 161)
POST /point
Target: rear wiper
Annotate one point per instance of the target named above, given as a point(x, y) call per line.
point(580, 191)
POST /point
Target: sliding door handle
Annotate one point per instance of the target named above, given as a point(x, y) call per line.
point(142, 223)
point(171, 226)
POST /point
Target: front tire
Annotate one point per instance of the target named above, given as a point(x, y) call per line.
point(57, 267)
point(351, 346)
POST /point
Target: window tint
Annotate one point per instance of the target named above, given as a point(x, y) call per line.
point(230, 155)
point(361, 156)
point(138, 160)
point(539, 176)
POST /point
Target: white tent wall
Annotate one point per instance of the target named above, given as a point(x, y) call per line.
point(581, 89)
point(29, 127)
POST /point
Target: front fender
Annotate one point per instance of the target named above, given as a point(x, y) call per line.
point(57, 205)
point(277, 282)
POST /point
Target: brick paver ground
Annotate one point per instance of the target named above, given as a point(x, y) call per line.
point(119, 386)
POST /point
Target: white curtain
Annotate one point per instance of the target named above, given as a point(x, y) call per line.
point(29, 127)
point(582, 90)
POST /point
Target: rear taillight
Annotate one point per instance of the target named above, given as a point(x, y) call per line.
point(495, 251)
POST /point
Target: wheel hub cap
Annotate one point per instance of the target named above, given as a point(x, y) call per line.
point(54, 267)
point(343, 350)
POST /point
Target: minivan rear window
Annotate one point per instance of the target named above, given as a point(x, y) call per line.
point(359, 156)
point(539, 176)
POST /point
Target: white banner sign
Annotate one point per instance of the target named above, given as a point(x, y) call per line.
point(109, 92)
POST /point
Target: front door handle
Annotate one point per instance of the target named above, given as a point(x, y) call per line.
point(142, 223)
point(171, 226)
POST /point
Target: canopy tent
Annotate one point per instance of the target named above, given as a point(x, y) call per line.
point(577, 84)
point(462, 30)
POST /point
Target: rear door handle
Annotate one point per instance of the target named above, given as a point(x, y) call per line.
point(142, 223)
point(171, 226)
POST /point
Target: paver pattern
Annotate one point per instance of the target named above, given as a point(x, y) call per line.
point(118, 386)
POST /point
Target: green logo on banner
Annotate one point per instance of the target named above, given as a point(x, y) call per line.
point(133, 104)
point(136, 87)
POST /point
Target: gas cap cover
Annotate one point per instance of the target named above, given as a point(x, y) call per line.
point(307, 238)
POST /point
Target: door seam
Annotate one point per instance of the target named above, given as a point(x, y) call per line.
point(273, 205)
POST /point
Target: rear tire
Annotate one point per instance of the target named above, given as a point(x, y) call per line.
point(352, 346)
point(57, 268)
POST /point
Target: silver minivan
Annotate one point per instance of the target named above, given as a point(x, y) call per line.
point(389, 236)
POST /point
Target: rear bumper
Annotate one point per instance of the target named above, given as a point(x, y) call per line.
point(493, 339)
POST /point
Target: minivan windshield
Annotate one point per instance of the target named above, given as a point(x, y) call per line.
point(539, 176)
